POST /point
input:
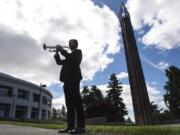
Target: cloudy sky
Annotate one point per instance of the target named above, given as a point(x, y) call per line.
point(26, 25)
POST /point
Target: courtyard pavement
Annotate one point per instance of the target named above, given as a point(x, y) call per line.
point(24, 130)
point(6, 129)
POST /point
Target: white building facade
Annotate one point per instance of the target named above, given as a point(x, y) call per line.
point(23, 100)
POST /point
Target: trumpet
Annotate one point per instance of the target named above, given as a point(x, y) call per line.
point(55, 48)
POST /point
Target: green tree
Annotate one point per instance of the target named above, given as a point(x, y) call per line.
point(63, 112)
point(91, 95)
point(85, 92)
point(156, 112)
point(129, 121)
point(172, 87)
point(96, 93)
point(54, 113)
point(154, 108)
point(114, 95)
point(86, 97)
point(58, 114)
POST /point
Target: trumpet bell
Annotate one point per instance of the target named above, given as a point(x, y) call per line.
point(44, 46)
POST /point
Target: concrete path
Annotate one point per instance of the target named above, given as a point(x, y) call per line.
point(6, 129)
point(24, 130)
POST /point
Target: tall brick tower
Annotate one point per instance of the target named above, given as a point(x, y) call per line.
point(141, 103)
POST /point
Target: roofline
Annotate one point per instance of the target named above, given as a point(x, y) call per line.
point(3, 75)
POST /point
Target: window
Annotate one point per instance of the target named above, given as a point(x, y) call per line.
point(49, 115)
point(23, 94)
point(43, 114)
point(4, 110)
point(44, 101)
point(21, 112)
point(34, 113)
point(36, 97)
point(6, 91)
point(49, 103)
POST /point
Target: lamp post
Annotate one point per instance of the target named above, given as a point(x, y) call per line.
point(39, 105)
point(13, 105)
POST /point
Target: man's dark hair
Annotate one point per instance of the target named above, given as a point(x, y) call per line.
point(75, 42)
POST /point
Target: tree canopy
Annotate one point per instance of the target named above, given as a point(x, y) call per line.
point(172, 87)
point(114, 95)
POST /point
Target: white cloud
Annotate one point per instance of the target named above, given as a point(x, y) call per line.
point(154, 95)
point(58, 102)
point(154, 83)
point(162, 65)
point(26, 25)
point(122, 75)
point(103, 88)
point(163, 19)
point(126, 95)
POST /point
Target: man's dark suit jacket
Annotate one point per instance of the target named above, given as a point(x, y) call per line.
point(70, 66)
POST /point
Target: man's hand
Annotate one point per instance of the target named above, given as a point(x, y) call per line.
point(56, 54)
point(59, 48)
point(57, 58)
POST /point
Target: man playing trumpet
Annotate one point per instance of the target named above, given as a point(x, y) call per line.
point(71, 76)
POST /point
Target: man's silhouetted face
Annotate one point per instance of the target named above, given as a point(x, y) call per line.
point(73, 44)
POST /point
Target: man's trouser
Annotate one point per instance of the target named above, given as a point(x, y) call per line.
point(74, 104)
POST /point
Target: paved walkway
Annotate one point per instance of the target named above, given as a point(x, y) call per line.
point(24, 130)
point(6, 129)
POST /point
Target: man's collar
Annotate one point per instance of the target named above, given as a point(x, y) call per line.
point(73, 50)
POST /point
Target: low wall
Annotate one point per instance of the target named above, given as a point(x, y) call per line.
point(96, 120)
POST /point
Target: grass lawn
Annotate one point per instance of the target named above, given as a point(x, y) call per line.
point(121, 130)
